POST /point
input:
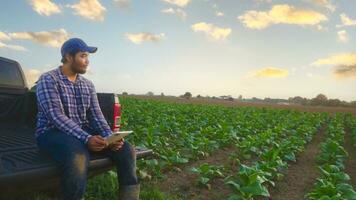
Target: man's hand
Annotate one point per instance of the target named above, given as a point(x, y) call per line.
point(97, 143)
point(117, 145)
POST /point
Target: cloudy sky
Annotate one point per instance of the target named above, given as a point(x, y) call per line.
point(256, 48)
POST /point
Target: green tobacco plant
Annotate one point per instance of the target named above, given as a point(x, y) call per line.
point(333, 181)
point(332, 152)
point(207, 172)
point(248, 183)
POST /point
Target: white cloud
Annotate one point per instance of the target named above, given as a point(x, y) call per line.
point(175, 11)
point(13, 47)
point(45, 7)
point(343, 36)
point(346, 21)
point(4, 36)
point(325, 3)
point(319, 27)
point(180, 3)
point(32, 76)
point(337, 59)
point(212, 31)
point(138, 38)
point(219, 14)
point(123, 3)
point(269, 72)
point(345, 71)
point(281, 14)
point(90, 9)
point(344, 64)
point(53, 38)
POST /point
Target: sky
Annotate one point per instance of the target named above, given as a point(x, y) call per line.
point(253, 48)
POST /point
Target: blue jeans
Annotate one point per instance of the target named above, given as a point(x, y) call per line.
point(72, 157)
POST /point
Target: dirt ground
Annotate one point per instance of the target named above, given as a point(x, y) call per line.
point(245, 104)
point(183, 184)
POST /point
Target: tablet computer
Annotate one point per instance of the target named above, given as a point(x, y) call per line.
point(117, 136)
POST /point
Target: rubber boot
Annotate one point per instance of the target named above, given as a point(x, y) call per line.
point(129, 192)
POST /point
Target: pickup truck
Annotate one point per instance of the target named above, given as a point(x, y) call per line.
point(23, 167)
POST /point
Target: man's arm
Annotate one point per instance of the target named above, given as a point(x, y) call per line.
point(95, 115)
point(49, 101)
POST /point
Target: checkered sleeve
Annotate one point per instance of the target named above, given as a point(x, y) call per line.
point(95, 115)
point(49, 101)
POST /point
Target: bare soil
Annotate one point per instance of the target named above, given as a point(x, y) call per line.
point(183, 183)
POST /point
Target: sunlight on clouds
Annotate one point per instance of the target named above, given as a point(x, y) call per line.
point(281, 14)
point(345, 71)
point(178, 12)
point(212, 31)
point(338, 59)
point(13, 47)
point(346, 21)
point(180, 3)
point(326, 3)
point(53, 38)
point(343, 36)
point(138, 38)
point(270, 72)
point(344, 64)
point(4, 36)
point(255, 20)
point(90, 9)
point(45, 7)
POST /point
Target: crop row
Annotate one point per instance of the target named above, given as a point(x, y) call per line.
point(274, 149)
point(351, 123)
point(179, 133)
point(332, 183)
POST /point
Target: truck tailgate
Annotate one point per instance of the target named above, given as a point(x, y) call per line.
point(22, 162)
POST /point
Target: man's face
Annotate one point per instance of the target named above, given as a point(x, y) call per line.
point(80, 63)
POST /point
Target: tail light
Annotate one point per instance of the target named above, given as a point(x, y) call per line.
point(117, 115)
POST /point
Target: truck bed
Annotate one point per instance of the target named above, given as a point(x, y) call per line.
point(23, 167)
point(20, 158)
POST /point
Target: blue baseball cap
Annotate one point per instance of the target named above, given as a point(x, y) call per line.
point(75, 45)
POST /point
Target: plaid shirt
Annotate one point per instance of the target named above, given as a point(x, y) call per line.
point(68, 106)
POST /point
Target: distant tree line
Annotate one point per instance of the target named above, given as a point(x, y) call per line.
point(319, 100)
